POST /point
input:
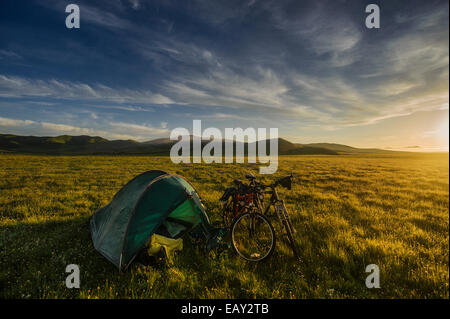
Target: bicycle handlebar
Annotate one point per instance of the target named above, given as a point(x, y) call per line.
point(285, 181)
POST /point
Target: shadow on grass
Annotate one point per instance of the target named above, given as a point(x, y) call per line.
point(35, 255)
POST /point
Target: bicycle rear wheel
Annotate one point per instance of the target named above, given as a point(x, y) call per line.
point(253, 237)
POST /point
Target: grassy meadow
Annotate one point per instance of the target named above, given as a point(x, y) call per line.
point(349, 210)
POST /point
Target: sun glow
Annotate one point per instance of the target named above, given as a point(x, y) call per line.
point(442, 129)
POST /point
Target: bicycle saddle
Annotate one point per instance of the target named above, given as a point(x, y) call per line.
point(249, 176)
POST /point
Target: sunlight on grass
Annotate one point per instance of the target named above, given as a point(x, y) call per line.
point(349, 210)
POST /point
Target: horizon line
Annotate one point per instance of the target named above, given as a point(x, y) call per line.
point(405, 149)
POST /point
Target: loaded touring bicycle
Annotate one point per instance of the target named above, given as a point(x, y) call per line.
point(252, 234)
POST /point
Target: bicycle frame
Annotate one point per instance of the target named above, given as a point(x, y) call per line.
point(280, 208)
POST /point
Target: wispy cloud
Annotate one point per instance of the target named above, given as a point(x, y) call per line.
point(104, 18)
point(13, 86)
point(121, 107)
point(323, 26)
point(139, 130)
point(5, 54)
point(135, 4)
point(13, 122)
point(115, 130)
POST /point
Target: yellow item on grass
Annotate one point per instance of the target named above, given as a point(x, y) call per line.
point(170, 245)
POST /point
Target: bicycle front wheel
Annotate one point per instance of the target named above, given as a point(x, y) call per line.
point(253, 237)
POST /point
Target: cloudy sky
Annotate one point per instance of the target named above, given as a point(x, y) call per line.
point(138, 69)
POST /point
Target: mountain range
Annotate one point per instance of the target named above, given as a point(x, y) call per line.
point(95, 145)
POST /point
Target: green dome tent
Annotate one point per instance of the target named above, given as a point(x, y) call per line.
point(152, 202)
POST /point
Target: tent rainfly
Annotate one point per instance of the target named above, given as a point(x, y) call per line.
point(152, 202)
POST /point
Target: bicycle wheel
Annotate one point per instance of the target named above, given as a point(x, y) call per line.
point(253, 237)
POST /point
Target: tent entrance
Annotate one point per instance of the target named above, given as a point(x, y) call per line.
point(180, 220)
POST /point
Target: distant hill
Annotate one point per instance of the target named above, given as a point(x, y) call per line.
point(346, 149)
point(287, 148)
point(95, 145)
